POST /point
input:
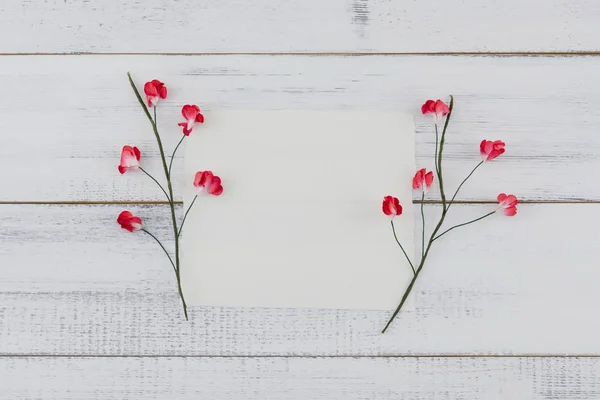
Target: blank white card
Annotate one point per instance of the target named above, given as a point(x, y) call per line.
point(299, 223)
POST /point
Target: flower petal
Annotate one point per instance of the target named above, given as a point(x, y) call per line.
point(510, 211)
point(429, 178)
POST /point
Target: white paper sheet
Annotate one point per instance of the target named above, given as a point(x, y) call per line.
point(299, 223)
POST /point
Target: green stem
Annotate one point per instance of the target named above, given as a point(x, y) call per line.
point(186, 213)
point(437, 169)
point(402, 248)
point(435, 231)
point(162, 247)
point(461, 184)
point(169, 186)
point(159, 185)
point(423, 230)
point(175, 151)
point(463, 224)
point(442, 141)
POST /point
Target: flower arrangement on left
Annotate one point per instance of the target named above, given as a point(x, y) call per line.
point(204, 181)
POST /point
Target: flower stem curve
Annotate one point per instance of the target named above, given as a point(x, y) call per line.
point(402, 248)
point(169, 186)
point(437, 228)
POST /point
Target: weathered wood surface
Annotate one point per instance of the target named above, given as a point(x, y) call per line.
point(65, 118)
point(436, 378)
point(74, 282)
point(211, 26)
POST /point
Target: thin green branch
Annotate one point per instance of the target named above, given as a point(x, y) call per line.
point(437, 169)
point(162, 247)
point(423, 228)
point(175, 151)
point(159, 185)
point(402, 248)
point(186, 214)
point(463, 224)
point(461, 184)
point(169, 186)
point(437, 228)
point(442, 141)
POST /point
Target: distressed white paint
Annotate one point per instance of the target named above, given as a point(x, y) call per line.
point(83, 110)
point(311, 25)
point(300, 378)
point(73, 282)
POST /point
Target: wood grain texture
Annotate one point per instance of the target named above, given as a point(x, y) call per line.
point(72, 114)
point(293, 378)
point(73, 282)
point(300, 26)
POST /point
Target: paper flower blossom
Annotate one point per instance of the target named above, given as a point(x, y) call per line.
point(437, 108)
point(154, 91)
point(129, 222)
point(391, 206)
point(508, 204)
point(206, 181)
point(490, 150)
point(130, 159)
point(191, 113)
point(422, 180)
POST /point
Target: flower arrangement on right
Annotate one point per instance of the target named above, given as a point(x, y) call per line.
point(422, 181)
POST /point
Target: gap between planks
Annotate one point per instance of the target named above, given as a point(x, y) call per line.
point(143, 202)
point(416, 356)
point(327, 54)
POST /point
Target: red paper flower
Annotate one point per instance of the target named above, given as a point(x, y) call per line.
point(438, 108)
point(155, 90)
point(422, 180)
point(191, 113)
point(130, 158)
point(207, 181)
point(391, 206)
point(490, 150)
point(508, 203)
point(129, 222)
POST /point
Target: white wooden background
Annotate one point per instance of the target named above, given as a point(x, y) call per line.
point(507, 310)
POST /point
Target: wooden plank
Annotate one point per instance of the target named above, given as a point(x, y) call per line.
point(66, 118)
point(300, 378)
point(307, 26)
point(73, 282)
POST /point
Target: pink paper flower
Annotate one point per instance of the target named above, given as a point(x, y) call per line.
point(155, 90)
point(391, 206)
point(208, 182)
point(490, 150)
point(129, 222)
point(130, 159)
point(508, 203)
point(191, 113)
point(437, 108)
point(422, 180)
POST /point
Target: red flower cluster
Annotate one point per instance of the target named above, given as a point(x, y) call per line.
point(191, 113)
point(437, 108)
point(508, 203)
point(129, 221)
point(490, 150)
point(204, 181)
point(422, 181)
point(391, 206)
point(155, 90)
point(130, 159)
